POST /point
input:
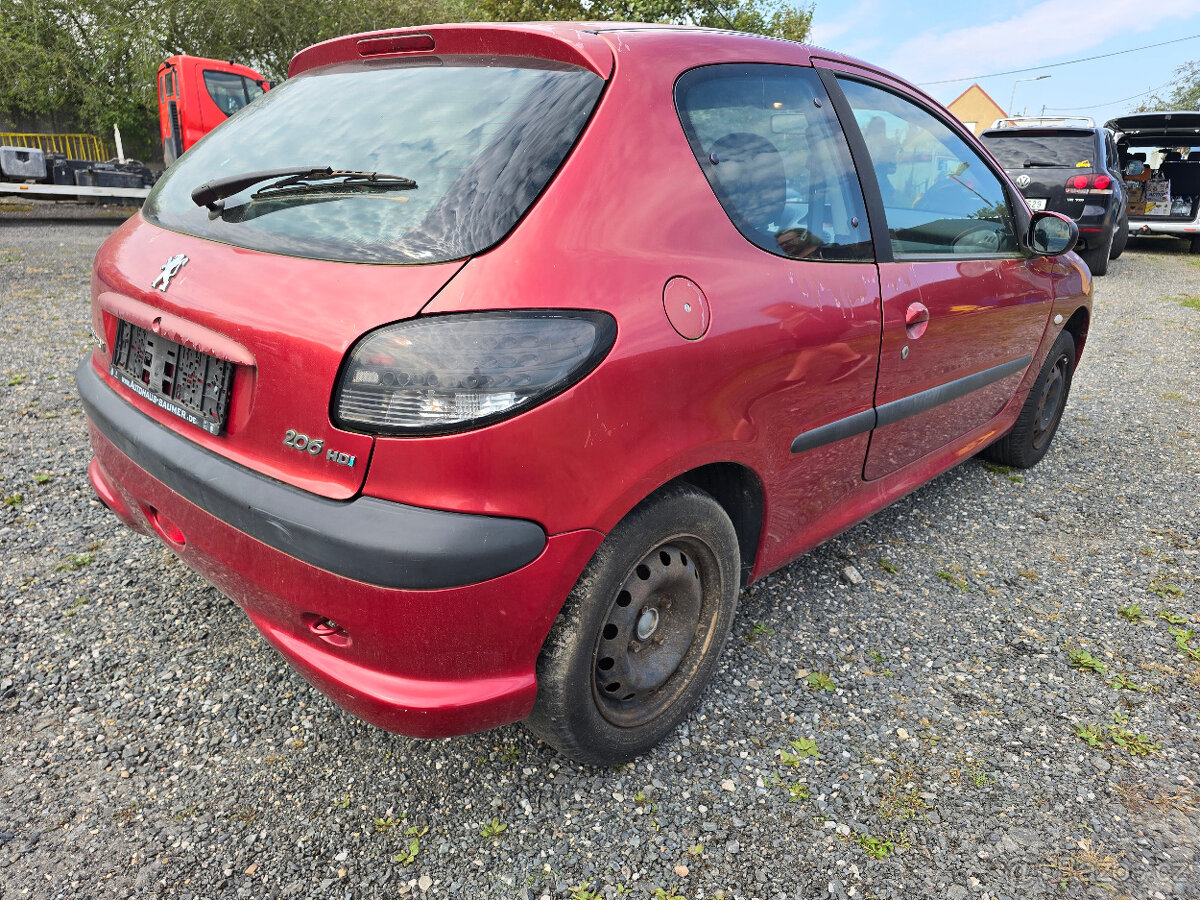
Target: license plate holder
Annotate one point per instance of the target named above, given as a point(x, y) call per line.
point(186, 383)
point(1037, 204)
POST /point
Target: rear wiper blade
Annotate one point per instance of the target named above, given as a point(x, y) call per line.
point(336, 183)
point(1041, 164)
point(212, 193)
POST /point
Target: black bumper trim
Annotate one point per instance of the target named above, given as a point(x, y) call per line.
point(375, 541)
point(890, 413)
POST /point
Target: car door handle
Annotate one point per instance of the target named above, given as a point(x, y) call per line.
point(916, 320)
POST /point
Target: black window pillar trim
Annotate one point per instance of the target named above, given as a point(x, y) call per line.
point(861, 157)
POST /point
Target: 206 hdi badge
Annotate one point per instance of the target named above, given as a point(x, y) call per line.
point(169, 270)
point(302, 442)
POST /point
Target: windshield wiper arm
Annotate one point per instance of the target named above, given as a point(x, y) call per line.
point(1041, 164)
point(212, 193)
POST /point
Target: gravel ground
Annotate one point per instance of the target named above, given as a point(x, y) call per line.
point(151, 744)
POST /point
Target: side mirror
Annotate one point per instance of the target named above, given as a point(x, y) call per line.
point(1051, 234)
point(1135, 167)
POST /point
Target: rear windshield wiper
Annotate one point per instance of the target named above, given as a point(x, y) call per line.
point(295, 180)
point(1041, 164)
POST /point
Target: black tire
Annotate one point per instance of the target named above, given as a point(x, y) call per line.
point(1029, 438)
point(1194, 247)
point(1097, 258)
point(1121, 237)
point(614, 678)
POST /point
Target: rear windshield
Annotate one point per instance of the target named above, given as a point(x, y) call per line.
point(480, 136)
point(1060, 151)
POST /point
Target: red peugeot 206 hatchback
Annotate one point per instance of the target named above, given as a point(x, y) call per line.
point(482, 366)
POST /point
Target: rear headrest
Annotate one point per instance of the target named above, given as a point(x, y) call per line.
point(749, 172)
point(1140, 157)
point(1194, 156)
point(1173, 156)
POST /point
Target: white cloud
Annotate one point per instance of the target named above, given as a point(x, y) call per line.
point(1045, 32)
point(833, 33)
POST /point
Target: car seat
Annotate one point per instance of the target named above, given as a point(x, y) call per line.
point(748, 175)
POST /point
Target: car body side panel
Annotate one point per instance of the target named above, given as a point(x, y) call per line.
point(983, 314)
point(791, 345)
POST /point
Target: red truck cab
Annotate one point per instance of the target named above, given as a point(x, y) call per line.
point(195, 95)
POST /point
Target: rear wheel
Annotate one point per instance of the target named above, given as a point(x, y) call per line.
point(1121, 237)
point(1029, 439)
point(1097, 258)
point(639, 636)
point(1195, 245)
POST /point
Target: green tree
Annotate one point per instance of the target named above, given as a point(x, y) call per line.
point(1184, 93)
point(93, 63)
point(757, 16)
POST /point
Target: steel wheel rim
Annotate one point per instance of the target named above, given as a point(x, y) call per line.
point(1050, 403)
point(656, 632)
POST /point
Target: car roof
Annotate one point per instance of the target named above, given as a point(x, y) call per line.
point(1172, 122)
point(1040, 131)
point(589, 44)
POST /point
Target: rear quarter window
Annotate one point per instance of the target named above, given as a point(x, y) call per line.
point(770, 145)
point(481, 137)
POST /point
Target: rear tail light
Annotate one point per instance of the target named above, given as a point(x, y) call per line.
point(443, 374)
point(1084, 182)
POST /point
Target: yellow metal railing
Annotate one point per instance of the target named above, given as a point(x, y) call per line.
point(73, 146)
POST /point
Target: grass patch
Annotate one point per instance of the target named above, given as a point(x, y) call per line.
point(1099, 737)
point(1188, 301)
point(802, 748)
point(757, 630)
point(887, 565)
point(75, 562)
point(1125, 683)
point(1165, 589)
point(876, 848)
point(1132, 612)
point(408, 855)
point(1081, 659)
point(957, 580)
point(1183, 641)
point(819, 681)
point(493, 829)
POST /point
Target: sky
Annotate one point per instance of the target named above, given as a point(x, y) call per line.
point(935, 40)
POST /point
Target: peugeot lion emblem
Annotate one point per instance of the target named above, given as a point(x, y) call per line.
point(169, 270)
point(1023, 181)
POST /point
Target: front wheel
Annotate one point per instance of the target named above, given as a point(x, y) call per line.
point(1029, 439)
point(640, 634)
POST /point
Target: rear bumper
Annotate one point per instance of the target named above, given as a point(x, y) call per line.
point(371, 540)
point(425, 662)
point(1184, 228)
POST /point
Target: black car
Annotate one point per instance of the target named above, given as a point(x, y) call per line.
point(1069, 166)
